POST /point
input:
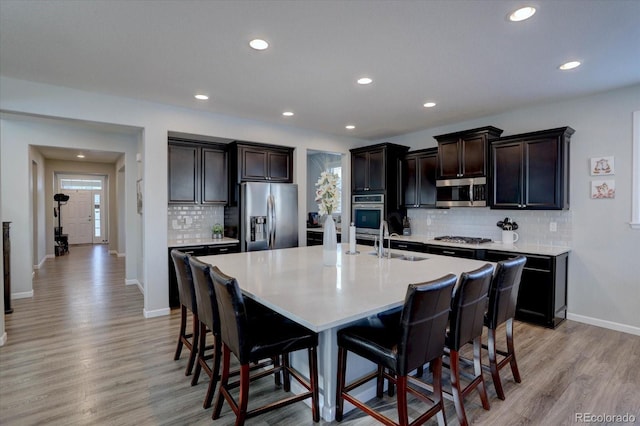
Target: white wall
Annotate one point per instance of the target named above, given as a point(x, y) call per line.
point(154, 122)
point(604, 265)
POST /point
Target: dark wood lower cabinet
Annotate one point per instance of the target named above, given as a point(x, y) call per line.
point(314, 238)
point(542, 298)
point(201, 250)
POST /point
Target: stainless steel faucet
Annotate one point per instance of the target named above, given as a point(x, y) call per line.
point(384, 233)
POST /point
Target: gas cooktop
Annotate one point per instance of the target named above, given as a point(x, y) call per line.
point(462, 240)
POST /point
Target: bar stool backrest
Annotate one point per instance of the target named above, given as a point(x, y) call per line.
point(186, 290)
point(205, 295)
point(423, 323)
point(468, 306)
point(503, 293)
point(234, 330)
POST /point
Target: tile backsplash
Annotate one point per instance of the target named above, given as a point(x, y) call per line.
point(533, 226)
point(193, 222)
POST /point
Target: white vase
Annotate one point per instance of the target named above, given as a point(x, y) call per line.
point(329, 242)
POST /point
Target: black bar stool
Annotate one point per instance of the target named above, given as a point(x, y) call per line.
point(466, 321)
point(503, 296)
point(398, 344)
point(209, 321)
point(187, 296)
point(253, 337)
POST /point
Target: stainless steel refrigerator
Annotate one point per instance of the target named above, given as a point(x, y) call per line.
point(266, 216)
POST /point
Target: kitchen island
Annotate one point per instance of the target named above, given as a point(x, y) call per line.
point(295, 283)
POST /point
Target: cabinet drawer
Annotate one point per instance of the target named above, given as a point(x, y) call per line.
point(452, 251)
point(540, 263)
point(224, 248)
point(403, 245)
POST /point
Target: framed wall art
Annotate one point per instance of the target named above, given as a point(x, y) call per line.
point(601, 189)
point(601, 166)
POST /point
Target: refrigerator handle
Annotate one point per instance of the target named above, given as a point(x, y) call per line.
point(274, 223)
point(270, 223)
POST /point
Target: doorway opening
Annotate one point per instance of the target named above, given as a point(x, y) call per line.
point(84, 217)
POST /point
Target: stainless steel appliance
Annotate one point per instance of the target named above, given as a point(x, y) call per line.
point(462, 240)
point(367, 213)
point(266, 216)
point(466, 192)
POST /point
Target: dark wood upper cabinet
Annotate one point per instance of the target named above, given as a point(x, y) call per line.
point(464, 154)
point(263, 163)
point(419, 178)
point(214, 176)
point(375, 168)
point(531, 170)
point(197, 172)
point(183, 174)
point(256, 162)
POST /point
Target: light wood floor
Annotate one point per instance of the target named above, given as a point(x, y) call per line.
point(81, 353)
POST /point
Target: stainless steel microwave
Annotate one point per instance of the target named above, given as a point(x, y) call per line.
point(466, 192)
point(367, 212)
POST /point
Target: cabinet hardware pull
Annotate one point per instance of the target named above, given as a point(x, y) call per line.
point(223, 249)
point(448, 252)
point(402, 246)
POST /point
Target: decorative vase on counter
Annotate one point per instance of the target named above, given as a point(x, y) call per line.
point(329, 242)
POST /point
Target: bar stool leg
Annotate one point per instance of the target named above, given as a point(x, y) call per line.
point(512, 352)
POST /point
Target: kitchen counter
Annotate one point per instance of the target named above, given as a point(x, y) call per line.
point(295, 283)
point(495, 245)
point(201, 242)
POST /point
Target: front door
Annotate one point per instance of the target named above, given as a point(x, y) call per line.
point(77, 217)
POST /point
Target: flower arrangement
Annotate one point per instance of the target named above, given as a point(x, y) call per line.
point(327, 193)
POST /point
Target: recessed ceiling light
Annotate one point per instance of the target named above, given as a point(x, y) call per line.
point(287, 113)
point(202, 97)
point(429, 104)
point(522, 14)
point(258, 44)
point(80, 155)
point(364, 80)
point(569, 65)
point(350, 127)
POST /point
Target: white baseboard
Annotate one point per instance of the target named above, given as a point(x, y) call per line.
point(39, 265)
point(135, 282)
point(22, 295)
point(3, 339)
point(50, 256)
point(156, 313)
point(113, 252)
point(120, 254)
point(604, 324)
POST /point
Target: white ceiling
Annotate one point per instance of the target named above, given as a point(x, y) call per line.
point(462, 54)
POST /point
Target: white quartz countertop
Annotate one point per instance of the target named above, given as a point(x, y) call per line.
point(495, 245)
point(295, 283)
point(524, 248)
point(201, 242)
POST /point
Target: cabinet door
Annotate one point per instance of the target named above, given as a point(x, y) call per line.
point(254, 164)
point(278, 166)
point(507, 176)
point(377, 171)
point(359, 171)
point(427, 180)
point(542, 177)
point(183, 174)
point(410, 181)
point(214, 176)
point(449, 160)
point(474, 156)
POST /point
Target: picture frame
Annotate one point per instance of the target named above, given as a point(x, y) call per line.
point(601, 166)
point(603, 189)
point(139, 195)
